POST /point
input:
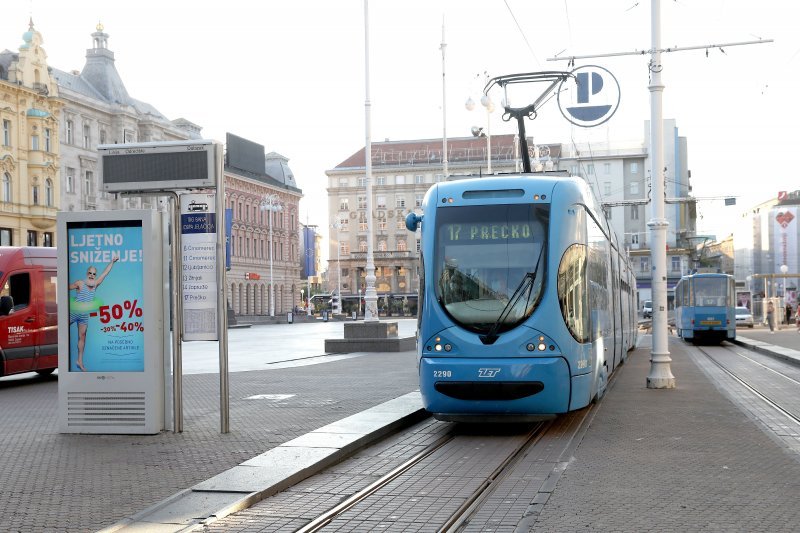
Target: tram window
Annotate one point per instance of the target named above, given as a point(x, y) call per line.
point(572, 292)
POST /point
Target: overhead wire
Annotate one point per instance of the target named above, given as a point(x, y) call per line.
point(524, 37)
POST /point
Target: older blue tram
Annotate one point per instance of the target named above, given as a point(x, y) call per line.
point(704, 307)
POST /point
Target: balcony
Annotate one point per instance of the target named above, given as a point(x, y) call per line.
point(395, 254)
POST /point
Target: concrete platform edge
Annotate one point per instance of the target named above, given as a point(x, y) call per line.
point(187, 510)
point(786, 354)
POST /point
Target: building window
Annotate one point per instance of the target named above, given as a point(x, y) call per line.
point(606, 188)
point(634, 187)
point(342, 182)
point(362, 181)
point(634, 167)
point(48, 192)
point(33, 238)
point(399, 202)
point(344, 247)
point(634, 212)
point(362, 225)
point(86, 137)
point(35, 195)
point(439, 177)
point(607, 168)
point(70, 179)
point(401, 222)
point(418, 199)
point(382, 224)
point(418, 245)
point(419, 178)
point(102, 136)
point(381, 203)
point(344, 224)
point(644, 262)
point(6, 132)
point(362, 246)
point(6, 187)
point(573, 170)
point(47, 140)
point(88, 183)
point(34, 142)
point(380, 180)
point(5, 237)
point(676, 263)
point(401, 245)
point(70, 132)
point(344, 204)
point(129, 136)
point(381, 246)
point(634, 238)
point(590, 169)
point(399, 180)
point(362, 202)
point(47, 239)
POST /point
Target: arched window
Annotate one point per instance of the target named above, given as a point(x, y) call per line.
point(401, 245)
point(362, 246)
point(35, 194)
point(381, 246)
point(6, 187)
point(48, 192)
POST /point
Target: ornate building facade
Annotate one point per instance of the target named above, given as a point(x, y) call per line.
point(29, 154)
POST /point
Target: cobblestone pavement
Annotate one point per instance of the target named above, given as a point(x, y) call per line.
point(56, 482)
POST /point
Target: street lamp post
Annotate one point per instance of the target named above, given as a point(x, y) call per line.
point(271, 204)
point(338, 225)
point(487, 103)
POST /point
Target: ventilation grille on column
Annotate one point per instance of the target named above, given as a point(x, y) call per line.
point(105, 409)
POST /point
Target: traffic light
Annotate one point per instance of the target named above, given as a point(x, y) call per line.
point(336, 305)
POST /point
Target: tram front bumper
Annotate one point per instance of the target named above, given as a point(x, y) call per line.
point(510, 386)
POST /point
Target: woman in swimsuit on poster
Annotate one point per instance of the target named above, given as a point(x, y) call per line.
point(85, 294)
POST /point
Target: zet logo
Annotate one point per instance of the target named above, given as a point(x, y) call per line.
point(597, 97)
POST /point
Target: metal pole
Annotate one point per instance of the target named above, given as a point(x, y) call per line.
point(177, 316)
point(371, 296)
point(444, 108)
point(222, 314)
point(660, 376)
point(488, 141)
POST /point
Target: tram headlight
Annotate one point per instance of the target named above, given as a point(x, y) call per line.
point(437, 347)
point(531, 347)
point(448, 347)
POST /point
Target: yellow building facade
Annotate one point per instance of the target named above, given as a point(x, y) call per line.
point(29, 145)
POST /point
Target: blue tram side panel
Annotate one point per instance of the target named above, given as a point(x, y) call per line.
point(705, 307)
point(527, 300)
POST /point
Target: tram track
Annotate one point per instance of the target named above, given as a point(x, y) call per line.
point(770, 399)
point(470, 504)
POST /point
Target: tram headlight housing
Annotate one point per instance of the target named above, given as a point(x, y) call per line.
point(438, 344)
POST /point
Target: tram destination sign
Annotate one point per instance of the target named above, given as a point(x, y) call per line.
point(158, 166)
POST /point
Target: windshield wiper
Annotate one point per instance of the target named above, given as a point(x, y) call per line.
point(526, 284)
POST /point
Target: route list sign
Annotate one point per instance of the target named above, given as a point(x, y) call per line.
point(199, 260)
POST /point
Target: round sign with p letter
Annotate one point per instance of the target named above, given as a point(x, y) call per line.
point(594, 99)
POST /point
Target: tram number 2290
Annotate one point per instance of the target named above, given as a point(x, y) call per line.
point(443, 373)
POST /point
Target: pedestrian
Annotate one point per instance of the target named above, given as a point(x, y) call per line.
point(771, 317)
point(797, 317)
point(788, 312)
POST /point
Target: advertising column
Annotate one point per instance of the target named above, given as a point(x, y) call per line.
point(110, 322)
point(199, 259)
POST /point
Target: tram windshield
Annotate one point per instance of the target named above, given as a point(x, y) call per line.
point(710, 292)
point(490, 263)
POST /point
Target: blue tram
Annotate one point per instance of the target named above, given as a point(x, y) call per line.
point(527, 300)
point(704, 307)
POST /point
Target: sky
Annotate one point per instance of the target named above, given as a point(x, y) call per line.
point(291, 76)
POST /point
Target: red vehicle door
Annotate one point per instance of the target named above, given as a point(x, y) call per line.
point(19, 330)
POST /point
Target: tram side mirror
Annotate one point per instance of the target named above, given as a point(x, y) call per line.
point(413, 221)
point(6, 305)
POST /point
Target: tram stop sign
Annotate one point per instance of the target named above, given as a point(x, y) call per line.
point(593, 101)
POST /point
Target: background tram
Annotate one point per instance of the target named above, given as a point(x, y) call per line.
point(704, 307)
point(527, 300)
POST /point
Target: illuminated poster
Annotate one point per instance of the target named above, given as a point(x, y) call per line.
point(785, 234)
point(106, 296)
